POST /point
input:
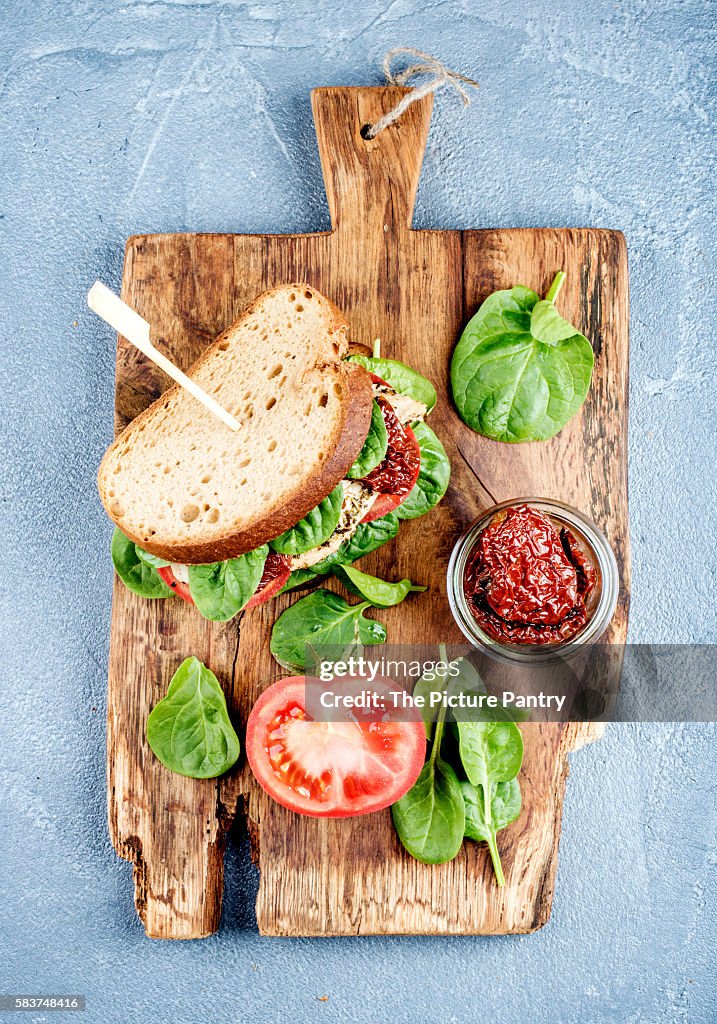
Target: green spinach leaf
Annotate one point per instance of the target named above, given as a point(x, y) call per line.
point(137, 575)
point(491, 754)
point(380, 593)
point(438, 682)
point(297, 578)
point(374, 447)
point(154, 560)
point(430, 817)
point(520, 371)
point(402, 378)
point(505, 807)
point(457, 676)
point(484, 822)
point(316, 527)
point(367, 538)
point(433, 477)
point(221, 589)
point(189, 730)
point(490, 751)
point(546, 324)
point(320, 619)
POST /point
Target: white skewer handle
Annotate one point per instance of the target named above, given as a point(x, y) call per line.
point(136, 329)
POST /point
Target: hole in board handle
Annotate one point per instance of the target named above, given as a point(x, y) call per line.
point(364, 132)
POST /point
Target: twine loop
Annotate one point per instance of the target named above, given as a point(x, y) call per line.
point(426, 65)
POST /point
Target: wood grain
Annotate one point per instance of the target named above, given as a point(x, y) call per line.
point(414, 289)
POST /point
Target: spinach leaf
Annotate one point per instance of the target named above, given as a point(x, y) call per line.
point(484, 822)
point(505, 807)
point(546, 324)
point(429, 683)
point(491, 754)
point(430, 817)
point(221, 589)
point(297, 578)
point(433, 477)
point(374, 447)
point(136, 574)
point(321, 618)
point(459, 676)
point(367, 538)
point(380, 593)
point(520, 371)
point(189, 730)
point(490, 751)
point(402, 378)
point(316, 527)
point(154, 560)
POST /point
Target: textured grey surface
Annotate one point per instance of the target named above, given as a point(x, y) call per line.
point(168, 116)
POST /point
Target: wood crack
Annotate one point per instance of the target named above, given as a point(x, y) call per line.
point(475, 474)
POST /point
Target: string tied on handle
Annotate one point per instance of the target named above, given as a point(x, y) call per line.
point(440, 76)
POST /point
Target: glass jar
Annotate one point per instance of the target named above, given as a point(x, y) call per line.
point(600, 605)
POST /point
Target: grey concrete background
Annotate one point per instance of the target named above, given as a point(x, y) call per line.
point(165, 115)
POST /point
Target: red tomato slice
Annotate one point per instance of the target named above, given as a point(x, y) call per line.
point(277, 570)
point(383, 504)
point(395, 477)
point(179, 588)
point(335, 769)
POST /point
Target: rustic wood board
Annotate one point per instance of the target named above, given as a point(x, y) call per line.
point(414, 289)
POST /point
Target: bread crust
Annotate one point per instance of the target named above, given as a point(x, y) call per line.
point(350, 436)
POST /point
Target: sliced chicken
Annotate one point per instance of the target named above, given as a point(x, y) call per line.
point(406, 408)
point(358, 499)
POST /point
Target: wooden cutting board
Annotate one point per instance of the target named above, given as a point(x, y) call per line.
point(414, 290)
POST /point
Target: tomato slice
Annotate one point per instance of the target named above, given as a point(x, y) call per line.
point(394, 478)
point(332, 769)
point(277, 570)
point(180, 588)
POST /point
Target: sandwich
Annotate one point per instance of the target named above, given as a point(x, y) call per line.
point(333, 451)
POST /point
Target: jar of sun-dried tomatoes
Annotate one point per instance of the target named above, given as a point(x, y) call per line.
point(532, 579)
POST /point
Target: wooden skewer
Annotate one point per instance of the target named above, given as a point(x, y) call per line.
point(135, 329)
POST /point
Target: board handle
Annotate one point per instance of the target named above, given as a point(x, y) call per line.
point(370, 183)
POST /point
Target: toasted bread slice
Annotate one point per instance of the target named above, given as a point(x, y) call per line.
point(186, 488)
